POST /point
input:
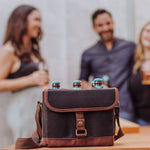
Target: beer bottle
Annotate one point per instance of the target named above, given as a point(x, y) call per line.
point(55, 85)
point(98, 82)
point(106, 80)
point(92, 83)
point(77, 84)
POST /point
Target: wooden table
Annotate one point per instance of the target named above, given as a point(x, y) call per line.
point(130, 141)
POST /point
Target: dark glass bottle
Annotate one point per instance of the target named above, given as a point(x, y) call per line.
point(92, 83)
point(77, 84)
point(55, 85)
point(98, 82)
point(106, 80)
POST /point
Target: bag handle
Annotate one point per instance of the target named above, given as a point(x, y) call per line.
point(120, 132)
point(34, 141)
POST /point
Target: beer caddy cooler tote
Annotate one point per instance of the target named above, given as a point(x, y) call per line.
point(75, 118)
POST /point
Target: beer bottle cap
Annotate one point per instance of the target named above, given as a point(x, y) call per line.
point(76, 81)
point(92, 82)
point(98, 79)
point(55, 82)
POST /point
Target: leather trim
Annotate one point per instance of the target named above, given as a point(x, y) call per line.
point(80, 109)
point(26, 143)
point(80, 127)
point(93, 141)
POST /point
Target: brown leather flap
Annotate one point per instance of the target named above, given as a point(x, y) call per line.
point(65, 100)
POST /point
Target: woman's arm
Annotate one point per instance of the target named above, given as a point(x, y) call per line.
point(7, 58)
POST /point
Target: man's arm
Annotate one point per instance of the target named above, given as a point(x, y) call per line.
point(85, 85)
point(85, 72)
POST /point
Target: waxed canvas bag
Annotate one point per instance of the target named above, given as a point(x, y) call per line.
point(77, 118)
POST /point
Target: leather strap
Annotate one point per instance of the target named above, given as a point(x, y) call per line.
point(80, 125)
point(34, 141)
point(120, 132)
point(26, 143)
point(38, 119)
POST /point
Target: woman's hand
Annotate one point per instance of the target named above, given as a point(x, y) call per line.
point(39, 78)
point(146, 67)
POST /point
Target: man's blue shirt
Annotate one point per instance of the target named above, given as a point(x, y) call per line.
point(116, 63)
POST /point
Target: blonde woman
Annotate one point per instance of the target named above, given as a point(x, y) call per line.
point(140, 90)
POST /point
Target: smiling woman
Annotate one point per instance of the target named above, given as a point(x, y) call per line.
point(21, 50)
point(19, 59)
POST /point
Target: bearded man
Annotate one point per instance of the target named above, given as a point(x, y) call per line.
point(110, 56)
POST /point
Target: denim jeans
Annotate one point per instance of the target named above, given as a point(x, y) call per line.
point(142, 122)
point(127, 116)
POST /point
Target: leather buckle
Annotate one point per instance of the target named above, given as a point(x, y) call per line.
point(81, 132)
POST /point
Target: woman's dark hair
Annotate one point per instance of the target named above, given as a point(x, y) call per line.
point(17, 28)
point(99, 12)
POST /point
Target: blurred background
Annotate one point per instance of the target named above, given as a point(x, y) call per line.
point(67, 28)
